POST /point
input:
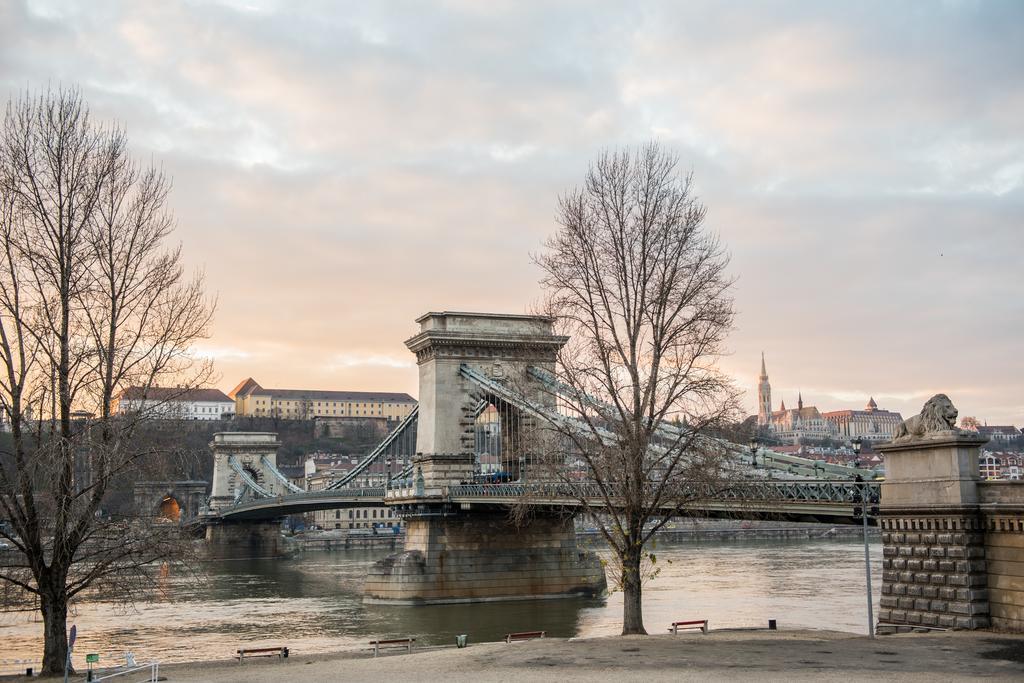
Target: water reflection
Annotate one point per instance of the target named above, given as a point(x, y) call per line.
point(313, 603)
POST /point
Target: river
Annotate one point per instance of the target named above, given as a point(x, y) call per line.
point(312, 603)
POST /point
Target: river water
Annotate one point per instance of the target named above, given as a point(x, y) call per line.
point(312, 603)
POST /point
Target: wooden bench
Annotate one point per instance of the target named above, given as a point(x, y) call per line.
point(394, 642)
point(678, 626)
point(523, 635)
point(281, 652)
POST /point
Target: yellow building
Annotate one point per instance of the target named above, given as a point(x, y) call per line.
point(252, 400)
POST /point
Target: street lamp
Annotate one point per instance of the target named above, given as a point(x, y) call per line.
point(753, 451)
point(856, 442)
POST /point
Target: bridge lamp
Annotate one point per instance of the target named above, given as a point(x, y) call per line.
point(856, 442)
point(753, 451)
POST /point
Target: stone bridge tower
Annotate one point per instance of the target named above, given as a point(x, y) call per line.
point(249, 450)
point(479, 553)
point(499, 346)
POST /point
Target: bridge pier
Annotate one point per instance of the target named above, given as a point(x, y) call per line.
point(244, 540)
point(933, 535)
point(477, 553)
point(484, 556)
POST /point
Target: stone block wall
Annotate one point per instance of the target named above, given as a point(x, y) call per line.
point(1004, 558)
point(933, 572)
point(443, 469)
point(483, 557)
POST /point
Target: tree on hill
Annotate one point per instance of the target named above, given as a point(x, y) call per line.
point(638, 282)
point(92, 300)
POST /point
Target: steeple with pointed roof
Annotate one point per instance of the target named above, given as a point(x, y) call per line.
point(764, 397)
point(799, 401)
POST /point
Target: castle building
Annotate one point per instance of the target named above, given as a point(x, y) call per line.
point(800, 423)
point(872, 423)
point(807, 422)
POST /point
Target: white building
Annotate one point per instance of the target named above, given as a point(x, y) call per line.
point(997, 433)
point(171, 403)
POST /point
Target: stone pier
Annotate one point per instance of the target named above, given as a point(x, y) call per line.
point(244, 540)
point(953, 545)
point(933, 535)
point(477, 554)
point(480, 557)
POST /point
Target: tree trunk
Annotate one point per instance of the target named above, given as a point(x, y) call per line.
point(632, 594)
point(55, 632)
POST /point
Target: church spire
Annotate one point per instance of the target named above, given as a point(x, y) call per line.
point(764, 397)
point(799, 401)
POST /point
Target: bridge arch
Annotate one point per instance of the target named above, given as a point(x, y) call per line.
point(170, 509)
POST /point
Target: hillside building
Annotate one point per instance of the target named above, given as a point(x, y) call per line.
point(252, 400)
point(872, 423)
point(173, 403)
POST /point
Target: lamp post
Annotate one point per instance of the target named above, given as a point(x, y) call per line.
point(856, 442)
point(753, 451)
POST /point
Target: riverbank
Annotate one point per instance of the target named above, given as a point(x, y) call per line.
point(720, 655)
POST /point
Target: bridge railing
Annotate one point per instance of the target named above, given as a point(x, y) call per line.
point(844, 492)
point(371, 492)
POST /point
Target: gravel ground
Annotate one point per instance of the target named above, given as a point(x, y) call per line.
point(718, 656)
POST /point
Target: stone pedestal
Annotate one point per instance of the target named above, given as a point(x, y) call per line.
point(933, 535)
point(244, 540)
point(483, 556)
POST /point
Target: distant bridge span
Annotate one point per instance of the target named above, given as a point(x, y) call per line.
point(838, 502)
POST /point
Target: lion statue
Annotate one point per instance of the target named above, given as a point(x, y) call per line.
point(938, 415)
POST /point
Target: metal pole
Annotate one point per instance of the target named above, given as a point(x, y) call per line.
point(867, 557)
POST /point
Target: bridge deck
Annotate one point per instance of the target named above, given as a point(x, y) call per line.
point(836, 501)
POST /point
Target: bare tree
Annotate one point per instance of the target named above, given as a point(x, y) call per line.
point(639, 284)
point(91, 302)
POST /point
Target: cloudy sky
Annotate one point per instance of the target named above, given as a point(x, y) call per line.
point(341, 168)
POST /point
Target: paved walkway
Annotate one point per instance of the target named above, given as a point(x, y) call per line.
point(720, 656)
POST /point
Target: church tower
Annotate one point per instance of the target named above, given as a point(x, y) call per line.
point(764, 397)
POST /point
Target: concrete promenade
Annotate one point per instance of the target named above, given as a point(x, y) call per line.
point(718, 656)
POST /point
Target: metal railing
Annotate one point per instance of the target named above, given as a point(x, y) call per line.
point(845, 492)
point(373, 492)
point(153, 669)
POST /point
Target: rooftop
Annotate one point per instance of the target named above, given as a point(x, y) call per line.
point(173, 394)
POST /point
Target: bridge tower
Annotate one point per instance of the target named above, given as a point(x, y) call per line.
point(238, 456)
point(238, 452)
point(500, 347)
point(477, 553)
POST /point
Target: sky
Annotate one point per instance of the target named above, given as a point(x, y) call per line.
point(341, 168)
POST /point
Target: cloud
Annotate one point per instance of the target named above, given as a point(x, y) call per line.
point(357, 360)
point(341, 169)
